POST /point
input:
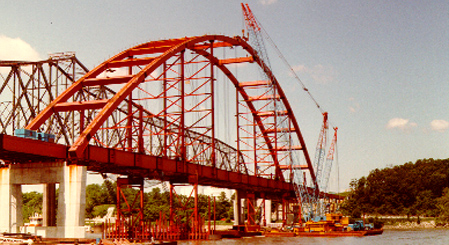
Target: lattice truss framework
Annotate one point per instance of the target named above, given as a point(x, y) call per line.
point(170, 98)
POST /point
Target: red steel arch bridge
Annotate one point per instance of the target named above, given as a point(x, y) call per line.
point(202, 110)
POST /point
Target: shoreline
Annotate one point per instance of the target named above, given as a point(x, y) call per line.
point(414, 225)
point(408, 225)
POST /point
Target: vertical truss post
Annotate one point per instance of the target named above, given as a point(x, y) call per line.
point(237, 116)
point(215, 212)
point(130, 212)
point(164, 112)
point(129, 126)
point(196, 222)
point(140, 135)
point(81, 121)
point(183, 107)
point(171, 219)
point(256, 170)
point(212, 81)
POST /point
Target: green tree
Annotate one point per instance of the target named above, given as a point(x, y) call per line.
point(99, 195)
point(32, 203)
point(442, 204)
point(408, 189)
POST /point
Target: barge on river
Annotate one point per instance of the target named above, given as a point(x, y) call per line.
point(333, 225)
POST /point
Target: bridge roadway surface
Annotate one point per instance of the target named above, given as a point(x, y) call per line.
point(104, 160)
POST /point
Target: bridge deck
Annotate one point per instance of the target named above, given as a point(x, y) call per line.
point(17, 149)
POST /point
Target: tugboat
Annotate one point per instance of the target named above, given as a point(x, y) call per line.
point(35, 220)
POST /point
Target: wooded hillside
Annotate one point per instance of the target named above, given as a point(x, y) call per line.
point(410, 189)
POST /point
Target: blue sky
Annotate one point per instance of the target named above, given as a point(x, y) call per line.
point(380, 68)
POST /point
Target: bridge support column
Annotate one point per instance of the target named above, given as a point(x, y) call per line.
point(251, 206)
point(10, 203)
point(72, 201)
point(268, 211)
point(49, 205)
point(237, 209)
point(72, 197)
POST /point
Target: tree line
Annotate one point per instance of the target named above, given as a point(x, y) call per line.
point(420, 188)
point(99, 197)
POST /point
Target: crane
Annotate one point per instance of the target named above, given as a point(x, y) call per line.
point(320, 148)
point(255, 33)
point(328, 164)
point(311, 204)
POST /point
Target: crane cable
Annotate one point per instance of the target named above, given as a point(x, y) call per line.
point(281, 56)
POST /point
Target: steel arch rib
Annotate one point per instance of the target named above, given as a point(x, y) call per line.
point(290, 113)
point(178, 45)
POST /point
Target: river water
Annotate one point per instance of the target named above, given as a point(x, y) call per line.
point(419, 236)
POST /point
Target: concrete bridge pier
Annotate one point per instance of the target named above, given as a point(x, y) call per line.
point(71, 198)
point(267, 211)
point(10, 203)
point(238, 219)
point(49, 205)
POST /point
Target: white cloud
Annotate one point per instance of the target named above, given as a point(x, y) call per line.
point(17, 49)
point(401, 123)
point(319, 73)
point(439, 125)
point(267, 2)
point(354, 106)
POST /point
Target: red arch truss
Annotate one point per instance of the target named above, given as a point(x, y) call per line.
point(171, 105)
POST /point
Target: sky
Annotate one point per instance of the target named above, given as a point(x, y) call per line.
point(379, 68)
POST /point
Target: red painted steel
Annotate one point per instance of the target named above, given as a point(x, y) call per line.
point(159, 55)
point(176, 142)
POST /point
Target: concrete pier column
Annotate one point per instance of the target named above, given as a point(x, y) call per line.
point(268, 211)
point(10, 203)
point(237, 209)
point(72, 201)
point(49, 205)
point(16, 208)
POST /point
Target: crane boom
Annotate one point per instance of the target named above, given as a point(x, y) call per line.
point(320, 148)
point(329, 161)
point(255, 33)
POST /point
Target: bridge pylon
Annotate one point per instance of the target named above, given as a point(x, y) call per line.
point(71, 180)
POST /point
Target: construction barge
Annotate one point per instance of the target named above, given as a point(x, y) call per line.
point(333, 225)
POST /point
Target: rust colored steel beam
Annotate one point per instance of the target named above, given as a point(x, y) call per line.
point(129, 62)
point(106, 80)
point(215, 44)
point(249, 59)
point(22, 149)
point(284, 167)
point(151, 50)
point(255, 83)
point(272, 131)
point(264, 97)
point(78, 106)
point(289, 148)
point(105, 160)
point(272, 114)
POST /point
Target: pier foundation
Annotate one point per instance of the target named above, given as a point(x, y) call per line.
point(69, 222)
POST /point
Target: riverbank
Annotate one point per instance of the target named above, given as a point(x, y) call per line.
point(413, 222)
point(415, 225)
point(391, 223)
